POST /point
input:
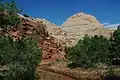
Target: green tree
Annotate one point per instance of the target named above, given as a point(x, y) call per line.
point(89, 51)
point(9, 14)
point(21, 57)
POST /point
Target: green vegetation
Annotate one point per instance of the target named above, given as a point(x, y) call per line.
point(20, 57)
point(8, 14)
point(91, 51)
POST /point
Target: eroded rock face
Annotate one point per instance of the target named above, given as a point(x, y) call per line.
point(50, 27)
point(52, 50)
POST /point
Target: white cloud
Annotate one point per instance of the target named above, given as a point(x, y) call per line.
point(112, 26)
point(105, 23)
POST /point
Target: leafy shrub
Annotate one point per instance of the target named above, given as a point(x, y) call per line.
point(8, 14)
point(21, 57)
point(89, 51)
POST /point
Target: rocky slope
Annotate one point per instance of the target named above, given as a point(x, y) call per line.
point(52, 50)
point(50, 27)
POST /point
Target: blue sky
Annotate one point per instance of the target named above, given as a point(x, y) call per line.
point(57, 11)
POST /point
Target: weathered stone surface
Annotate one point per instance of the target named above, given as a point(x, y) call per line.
point(50, 27)
point(82, 19)
point(52, 50)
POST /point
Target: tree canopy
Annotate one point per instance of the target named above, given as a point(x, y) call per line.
point(8, 14)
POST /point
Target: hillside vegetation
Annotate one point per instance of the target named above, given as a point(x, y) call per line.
point(18, 58)
point(8, 14)
point(91, 52)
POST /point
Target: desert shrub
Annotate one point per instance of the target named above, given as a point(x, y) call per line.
point(89, 52)
point(20, 57)
point(8, 14)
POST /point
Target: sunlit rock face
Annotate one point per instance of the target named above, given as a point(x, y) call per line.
point(81, 22)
